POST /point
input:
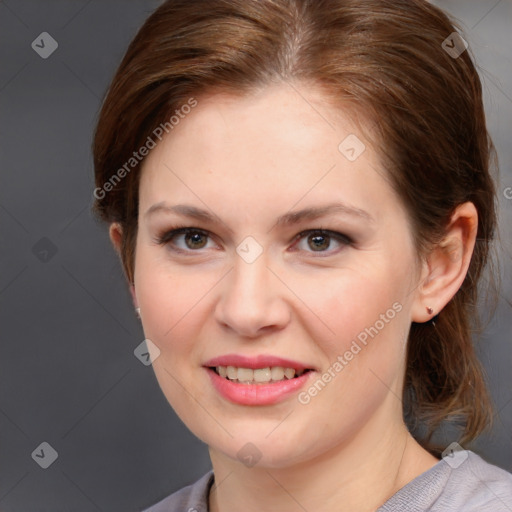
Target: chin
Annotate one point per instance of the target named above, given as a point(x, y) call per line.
point(262, 445)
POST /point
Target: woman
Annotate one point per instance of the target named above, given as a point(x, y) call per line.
point(300, 195)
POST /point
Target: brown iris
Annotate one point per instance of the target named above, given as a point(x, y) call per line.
point(319, 242)
point(197, 240)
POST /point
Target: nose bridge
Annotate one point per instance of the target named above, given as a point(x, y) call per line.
point(250, 297)
point(250, 269)
point(248, 283)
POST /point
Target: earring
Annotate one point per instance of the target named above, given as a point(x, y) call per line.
point(432, 320)
point(137, 312)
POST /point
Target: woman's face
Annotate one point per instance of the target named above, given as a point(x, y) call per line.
point(258, 286)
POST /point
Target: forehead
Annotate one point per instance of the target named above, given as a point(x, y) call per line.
point(278, 146)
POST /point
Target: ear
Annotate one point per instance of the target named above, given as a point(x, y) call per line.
point(446, 267)
point(116, 237)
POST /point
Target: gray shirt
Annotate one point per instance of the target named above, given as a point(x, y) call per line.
point(463, 482)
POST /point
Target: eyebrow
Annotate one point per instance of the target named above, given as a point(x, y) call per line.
point(287, 219)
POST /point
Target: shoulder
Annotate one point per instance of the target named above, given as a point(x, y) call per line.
point(474, 485)
point(461, 482)
point(193, 498)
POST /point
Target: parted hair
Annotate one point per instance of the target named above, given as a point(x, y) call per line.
point(387, 61)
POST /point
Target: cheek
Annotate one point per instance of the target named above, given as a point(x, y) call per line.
point(172, 315)
point(361, 326)
point(363, 359)
point(348, 303)
point(170, 298)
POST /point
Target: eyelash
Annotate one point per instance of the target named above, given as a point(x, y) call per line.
point(167, 236)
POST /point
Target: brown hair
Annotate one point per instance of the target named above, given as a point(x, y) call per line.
point(386, 59)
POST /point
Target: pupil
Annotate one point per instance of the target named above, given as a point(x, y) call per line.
point(319, 242)
point(196, 240)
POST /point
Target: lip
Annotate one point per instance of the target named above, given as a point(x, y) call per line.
point(256, 394)
point(260, 361)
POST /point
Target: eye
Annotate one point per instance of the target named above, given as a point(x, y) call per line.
point(320, 240)
point(184, 238)
point(187, 239)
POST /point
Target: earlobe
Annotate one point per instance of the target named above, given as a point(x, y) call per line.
point(447, 264)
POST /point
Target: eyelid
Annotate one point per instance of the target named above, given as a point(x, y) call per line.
point(341, 238)
point(165, 237)
point(169, 234)
point(330, 232)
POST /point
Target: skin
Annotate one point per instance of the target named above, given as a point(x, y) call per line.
point(248, 160)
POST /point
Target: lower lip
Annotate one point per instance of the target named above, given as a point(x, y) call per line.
point(257, 394)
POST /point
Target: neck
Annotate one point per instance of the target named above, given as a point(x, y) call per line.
point(360, 475)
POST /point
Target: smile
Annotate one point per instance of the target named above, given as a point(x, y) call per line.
point(258, 375)
point(250, 392)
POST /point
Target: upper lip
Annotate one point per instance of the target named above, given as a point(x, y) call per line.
point(254, 362)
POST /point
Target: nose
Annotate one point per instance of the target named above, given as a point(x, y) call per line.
point(253, 300)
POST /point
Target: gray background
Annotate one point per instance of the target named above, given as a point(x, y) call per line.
point(68, 375)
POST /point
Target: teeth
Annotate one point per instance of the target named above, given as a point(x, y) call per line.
point(262, 375)
point(277, 373)
point(232, 373)
point(289, 373)
point(245, 375)
point(259, 375)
